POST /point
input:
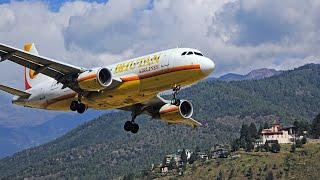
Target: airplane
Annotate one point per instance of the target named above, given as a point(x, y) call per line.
point(133, 85)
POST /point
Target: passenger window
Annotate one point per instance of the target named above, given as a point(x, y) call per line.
point(190, 53)
point(184, 53)
point(199, 54)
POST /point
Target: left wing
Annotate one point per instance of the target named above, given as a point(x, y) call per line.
point(62, 72)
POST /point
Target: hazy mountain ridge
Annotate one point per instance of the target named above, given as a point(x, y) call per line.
point(16, 139)
point(101, 149)
point(253, 75)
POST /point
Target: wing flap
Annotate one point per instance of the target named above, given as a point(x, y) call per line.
point(14, 91)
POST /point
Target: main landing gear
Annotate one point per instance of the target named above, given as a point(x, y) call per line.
point(78, 106)
point(131, 125)
point(174, 100)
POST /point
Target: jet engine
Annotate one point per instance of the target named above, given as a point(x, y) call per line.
point(176, 114)
point(95, 80)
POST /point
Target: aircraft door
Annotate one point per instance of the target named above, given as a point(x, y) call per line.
point(164, 61)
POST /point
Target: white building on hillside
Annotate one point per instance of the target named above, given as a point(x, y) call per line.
point(277, 133)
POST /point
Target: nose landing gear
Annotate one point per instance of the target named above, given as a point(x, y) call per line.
point(174, 100)
point(78, 106)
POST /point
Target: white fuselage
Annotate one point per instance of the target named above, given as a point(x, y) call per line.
point(141, 79)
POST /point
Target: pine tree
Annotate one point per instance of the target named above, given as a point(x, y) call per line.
point(253, 131)
point(315, 127)
point(244, 132)
point(266, 125)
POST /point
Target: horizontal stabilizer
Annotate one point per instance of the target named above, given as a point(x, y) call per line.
point(14, 91)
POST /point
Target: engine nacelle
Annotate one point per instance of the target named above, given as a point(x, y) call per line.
point(176, 114)
point(95, 80)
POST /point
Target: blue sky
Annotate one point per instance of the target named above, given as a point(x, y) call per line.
point(54, 5)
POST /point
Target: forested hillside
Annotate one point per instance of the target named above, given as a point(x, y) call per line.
point(100, 148)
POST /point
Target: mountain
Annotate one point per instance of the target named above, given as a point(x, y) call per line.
point(253, 75)
point(13, 116)
point(231, 77)
point(16, 139)
point(101, 149)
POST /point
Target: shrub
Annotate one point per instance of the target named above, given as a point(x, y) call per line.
point(269, 176)
point(275, 148)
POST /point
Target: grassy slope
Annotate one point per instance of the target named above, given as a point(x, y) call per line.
point(303, 164)
point(101, 148)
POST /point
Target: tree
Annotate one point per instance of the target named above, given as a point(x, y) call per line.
point(275, 148)
point(253, 131)
point(235, 145)
point(293, 148)
point(184, 157)
point(298, 143)
point(220, 176)
point(304, 140)
point(244, 132)
point(172, 164)
point(315, 127)
point(249, 173)
point(249, 146)
point(266, 125)
point(197, 149)
point(269, 175)
point(300, 126)
point(164, 161)
point(192, 158)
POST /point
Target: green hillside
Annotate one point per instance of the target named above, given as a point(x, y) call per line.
point(101, 149)
point(303, 164)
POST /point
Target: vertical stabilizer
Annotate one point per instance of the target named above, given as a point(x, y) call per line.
point(31, 78)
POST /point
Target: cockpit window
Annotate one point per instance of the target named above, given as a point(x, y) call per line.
point(190, 53)
point(184, 53)
point(197, 53)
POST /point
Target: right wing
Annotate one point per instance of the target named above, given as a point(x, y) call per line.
point(14, 91)
point(62, 72)
point(152, 108)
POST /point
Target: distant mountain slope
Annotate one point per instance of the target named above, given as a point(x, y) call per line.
point(13, 140)
point(253, 75)
point(101, 149)
point(16, 116)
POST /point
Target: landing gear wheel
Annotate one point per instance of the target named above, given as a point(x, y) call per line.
point(128, 126)
point(81, 108)
point(135, 128)
point(74, 105)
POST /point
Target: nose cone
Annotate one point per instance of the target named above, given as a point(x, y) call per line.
point(207, 66)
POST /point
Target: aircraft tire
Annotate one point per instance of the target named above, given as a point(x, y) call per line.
point(73, 105)
point(128, 126)
point(135, 128)
point(81, 108)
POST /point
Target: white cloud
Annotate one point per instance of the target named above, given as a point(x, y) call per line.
point(240, 35)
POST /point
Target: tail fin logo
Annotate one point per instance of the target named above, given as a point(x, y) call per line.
point(32, 74)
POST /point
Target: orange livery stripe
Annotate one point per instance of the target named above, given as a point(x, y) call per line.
point(160, 72)
point(89, 77)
